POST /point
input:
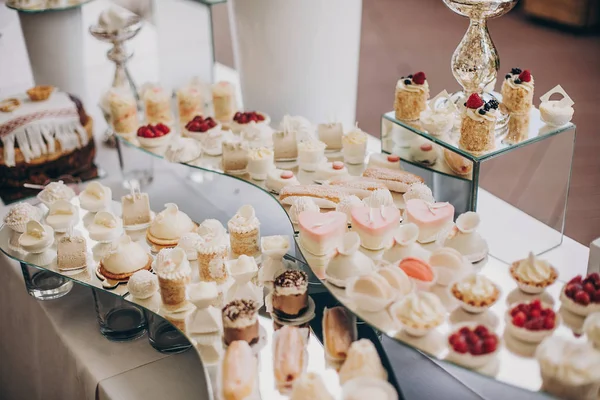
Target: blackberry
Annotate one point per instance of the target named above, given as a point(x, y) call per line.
point(494, 104)
point(515, 71)
point(481, 111)
point(486, 107)
point(507, 76)
point(407, 82)
point(517, 81)
point(410, 76)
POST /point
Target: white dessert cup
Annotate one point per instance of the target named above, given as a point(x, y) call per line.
point(578, 309)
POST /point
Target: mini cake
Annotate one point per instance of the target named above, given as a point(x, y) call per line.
point(556, 112)
point(531, 321)
point(142, 284)
point(354, 146)
point(331, 134)
point(424, 151)
point(370, 292)
point(419, 191)
point(347, 204)
point(339, 331)
point(95, 197)
point(591, 327)
point(310, 386)
point(448, 264)
point(457, 163)
point(257, 135)
point(518, 129)
point(224, 102)
point(71, 253)
point(290, 294)
point(244, 232)
point(105, 227)
point(464, 237)
point(419, 313)
point(328, 170)
point(301, 204)
point(304, 130)
point(260, 161)
point(174, 274)
point(123, 111)
point(36, 237)
point(277, 179)
point(323, 196)
point(190, 102)
point(570, 370)
point(422, 274)
point(532, 274)
point(364, 387)
point(240, 321)
point(380, 160)
point(517, 91)
point(124, 259)
point(320, 233)
point(396, 181)
point(375, 226)
point(168, 226)
point(183, 150)
point(290, 357)
point(235, 155)
point(242, 119)
point(411, 97)
point(152, 136)
point(136, 209)
point(311, 153)
point(347, 261)
point(476, 293)
point(216, 271)
point(207, 131)
point(379, 198)
point(239, 372)
point(285, 145)
point(213, 245)
point(55, 191)
point(436, 119)
point(62, 216)
point(430, 218)
point(404, 244)
point(362, 360)
point(473, 346)
point(478, 127)
point(581, 296)
point(157, 102)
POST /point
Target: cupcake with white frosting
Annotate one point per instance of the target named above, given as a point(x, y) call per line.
point(244, 232)
point(478, 127)
point(354, 146)
point(533, 274)
point(411, 97)
point(517, 91)
point(55, 191)
point(174, 273)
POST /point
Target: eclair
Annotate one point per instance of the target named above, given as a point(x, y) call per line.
point(289, 356)
point(238, 372)
point(360, 187)
point(396, 181)
point(323, 196)
point(339, 332)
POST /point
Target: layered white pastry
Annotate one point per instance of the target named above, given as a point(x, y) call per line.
point(311, 153)
point(105, 227)
point(438, 118)
point(183, 150)
point(329, 170)
point(37, 237)
point(362, 360)
point(95, 197)
point(190, 102)
point(136, 209)
point(381, 160)
point(20, 214)
point(189, 242)
point(300, 204)
point(404, 244)
point(379, 198)
point(171, 224)
point(277, 179)
point(124, 258)
point(174, 273)
point(465, 238)
point(62, 215)
point(55, 191)
point(419, 191)
point(570, 370)
point(347, 262)
point(260, 161)
point(354, 146)
point(257, 135)
point(347, 204)
point(244, 232)
point(370, 292)
point(142, 284)
point(419, 313)
point(122, 107)
point(224, 101)
point(331, 134)
point(556, 112)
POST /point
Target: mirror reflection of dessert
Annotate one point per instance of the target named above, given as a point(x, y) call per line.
point(396, 181)
point(239, 372)
point(290, 294)
point(473, 346)
point(339, 331)
point(224, 102)
point(517, 91)
point(457, 163)
point(71, 253)
point(310, 385)
point(190, 102)
point(124, 259)
point(289, 356)
point(518, 129)
point(412, 93)
point(591, 327)
point(368, 388)
point(244, 232)
point(174, 273)
point(168, 226)
point(157, 102)
point(240, 321)
point(362, 360)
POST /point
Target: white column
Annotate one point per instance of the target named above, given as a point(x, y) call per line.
point(298, 57)
point(185, 45)
point(54, 43)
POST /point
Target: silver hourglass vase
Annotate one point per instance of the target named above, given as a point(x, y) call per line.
point(119, 55)
point(475, 61)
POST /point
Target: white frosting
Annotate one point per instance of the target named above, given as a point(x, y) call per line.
point(348, 262)
point(36, 237)
point(173, 264)
point(421, 308)
point(301, 204)
point(478, 286)
point(438, 120)
point(189, 243)
point(62, 215)
point(347, 204)
point(171, 223)
point(142, 284)
point(217, 268)
point(95, 197)
point(413, 87)
point(419, 191)
point(260, 153)
point(213, 236)
point(379, 198)
point(301, 126)
point(20, 214)
point(572, 363)
point(257, 135)
point(183, 150)
point(291, 290)
point(491, 115)
point(126, 256)
point(311, 146)
point(106, 226)
point(55, 191)
point(244, 220)
point(309, 385)
point(274, 243)
point(591, 327)
point(556, 112)
point(355, 136)
point(528, 86)
point(242, 265)
point(533, 269)
point(113, 19)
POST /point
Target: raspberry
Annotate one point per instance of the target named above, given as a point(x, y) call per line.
point(536, 304)
point(454, 338)
point(211, 123)
point(589, 288)
point(474, 101)
point(419, 78)
point(460, 346)
point(538, 324)
point(464, 331)
point(237, 116)
point(477, 348)
point(549, 323)
point(519, 319)
point(582, 298)
point(535, 314)
point(243, 119)
point(490, 344)
point(577, 279)
point(572, 289)
point(525, 76)
point(198, 118)
point(550, 313)
point(597, 296)
point(260, 117)
point(163, 128)
point(472, 338)
point(514, 311)
point(594, 277)
point(481, 331)
point(204, 127)
point(194, 126)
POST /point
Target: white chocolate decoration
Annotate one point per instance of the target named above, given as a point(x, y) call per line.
point(556, 112)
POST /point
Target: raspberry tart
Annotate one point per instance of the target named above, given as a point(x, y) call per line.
point(532, 274)
point(581, 295)
point(241, 119)
point(531, 321)
point(207, 131)
point(478, 126)
point(154, 135)
point(476, 293)
point(411, 97)
point(517, 91)
point(473, 346)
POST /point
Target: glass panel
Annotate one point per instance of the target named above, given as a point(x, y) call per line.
point(11, 4)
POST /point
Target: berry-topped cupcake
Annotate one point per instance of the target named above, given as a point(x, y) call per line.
point(241, 119)
point(412, 93)
point(153, 135)
point(581, 295)
point(477, 130)
point(517, 91)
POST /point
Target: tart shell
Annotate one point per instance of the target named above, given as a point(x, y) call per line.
point(532, 287)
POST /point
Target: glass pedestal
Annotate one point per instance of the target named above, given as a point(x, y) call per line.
point(45, 285)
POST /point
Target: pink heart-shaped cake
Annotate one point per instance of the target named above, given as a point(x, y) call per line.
point(429, 217)
point(375, 225)
point(321, 233)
